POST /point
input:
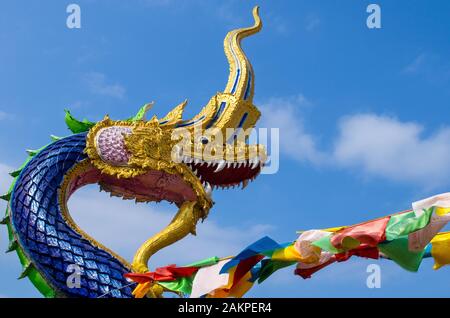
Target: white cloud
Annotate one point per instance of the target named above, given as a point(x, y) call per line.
point(98, 84)
point(312, 22)
point(432, 68)
point(227, 13)
point(4, 115)
point(283, 113)
point(123, 226)
point(376, 145)
point(277, 23)
point(79, 104)
point(384, 146)
point(416, 64)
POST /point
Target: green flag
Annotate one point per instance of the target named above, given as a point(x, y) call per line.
point(399, 252)
point(183, 284)
point(271, 267)
point(405, 223)
point(325, 244)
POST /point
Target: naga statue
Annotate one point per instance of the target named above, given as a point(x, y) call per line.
point(144, 160)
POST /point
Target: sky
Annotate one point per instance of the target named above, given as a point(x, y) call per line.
point(363, 117)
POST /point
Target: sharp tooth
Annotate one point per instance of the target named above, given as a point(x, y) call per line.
point(245, 164)
point(255, 162)
point(194, 171)
point(208, 189)
point(244, 183)
point(220, 166)
point(234, 164)
point(229, 164)
point(208, 163)
point(239, 164)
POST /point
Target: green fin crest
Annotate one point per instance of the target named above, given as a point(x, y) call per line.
point(140, 115)
point(76, 126)
point(6, 196)
point(26, 270)
point(12, 246)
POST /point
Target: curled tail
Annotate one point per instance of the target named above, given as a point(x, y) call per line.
point(241, 78)
point(234, 107)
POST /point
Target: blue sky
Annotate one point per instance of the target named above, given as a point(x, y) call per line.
point(363, 117)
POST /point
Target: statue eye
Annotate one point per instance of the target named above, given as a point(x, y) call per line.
point(204, 140)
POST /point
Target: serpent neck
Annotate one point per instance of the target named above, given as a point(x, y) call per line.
point(52, 244)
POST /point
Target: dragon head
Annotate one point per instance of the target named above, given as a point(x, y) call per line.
point(182, 161)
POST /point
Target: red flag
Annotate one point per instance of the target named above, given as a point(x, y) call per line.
point(363, 251)
point(175, 271)
point(370, 233)
point(162, 274)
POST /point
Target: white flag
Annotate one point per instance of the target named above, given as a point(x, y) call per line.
point(208, 279)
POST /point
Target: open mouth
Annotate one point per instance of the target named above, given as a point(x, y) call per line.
point(223, 173)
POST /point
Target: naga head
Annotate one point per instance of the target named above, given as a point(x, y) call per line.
point(182, 161)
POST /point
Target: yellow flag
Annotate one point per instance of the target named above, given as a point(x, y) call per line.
point(440, 249)
point(290, 254)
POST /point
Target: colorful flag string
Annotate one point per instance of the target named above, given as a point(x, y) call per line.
point(406, 238)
